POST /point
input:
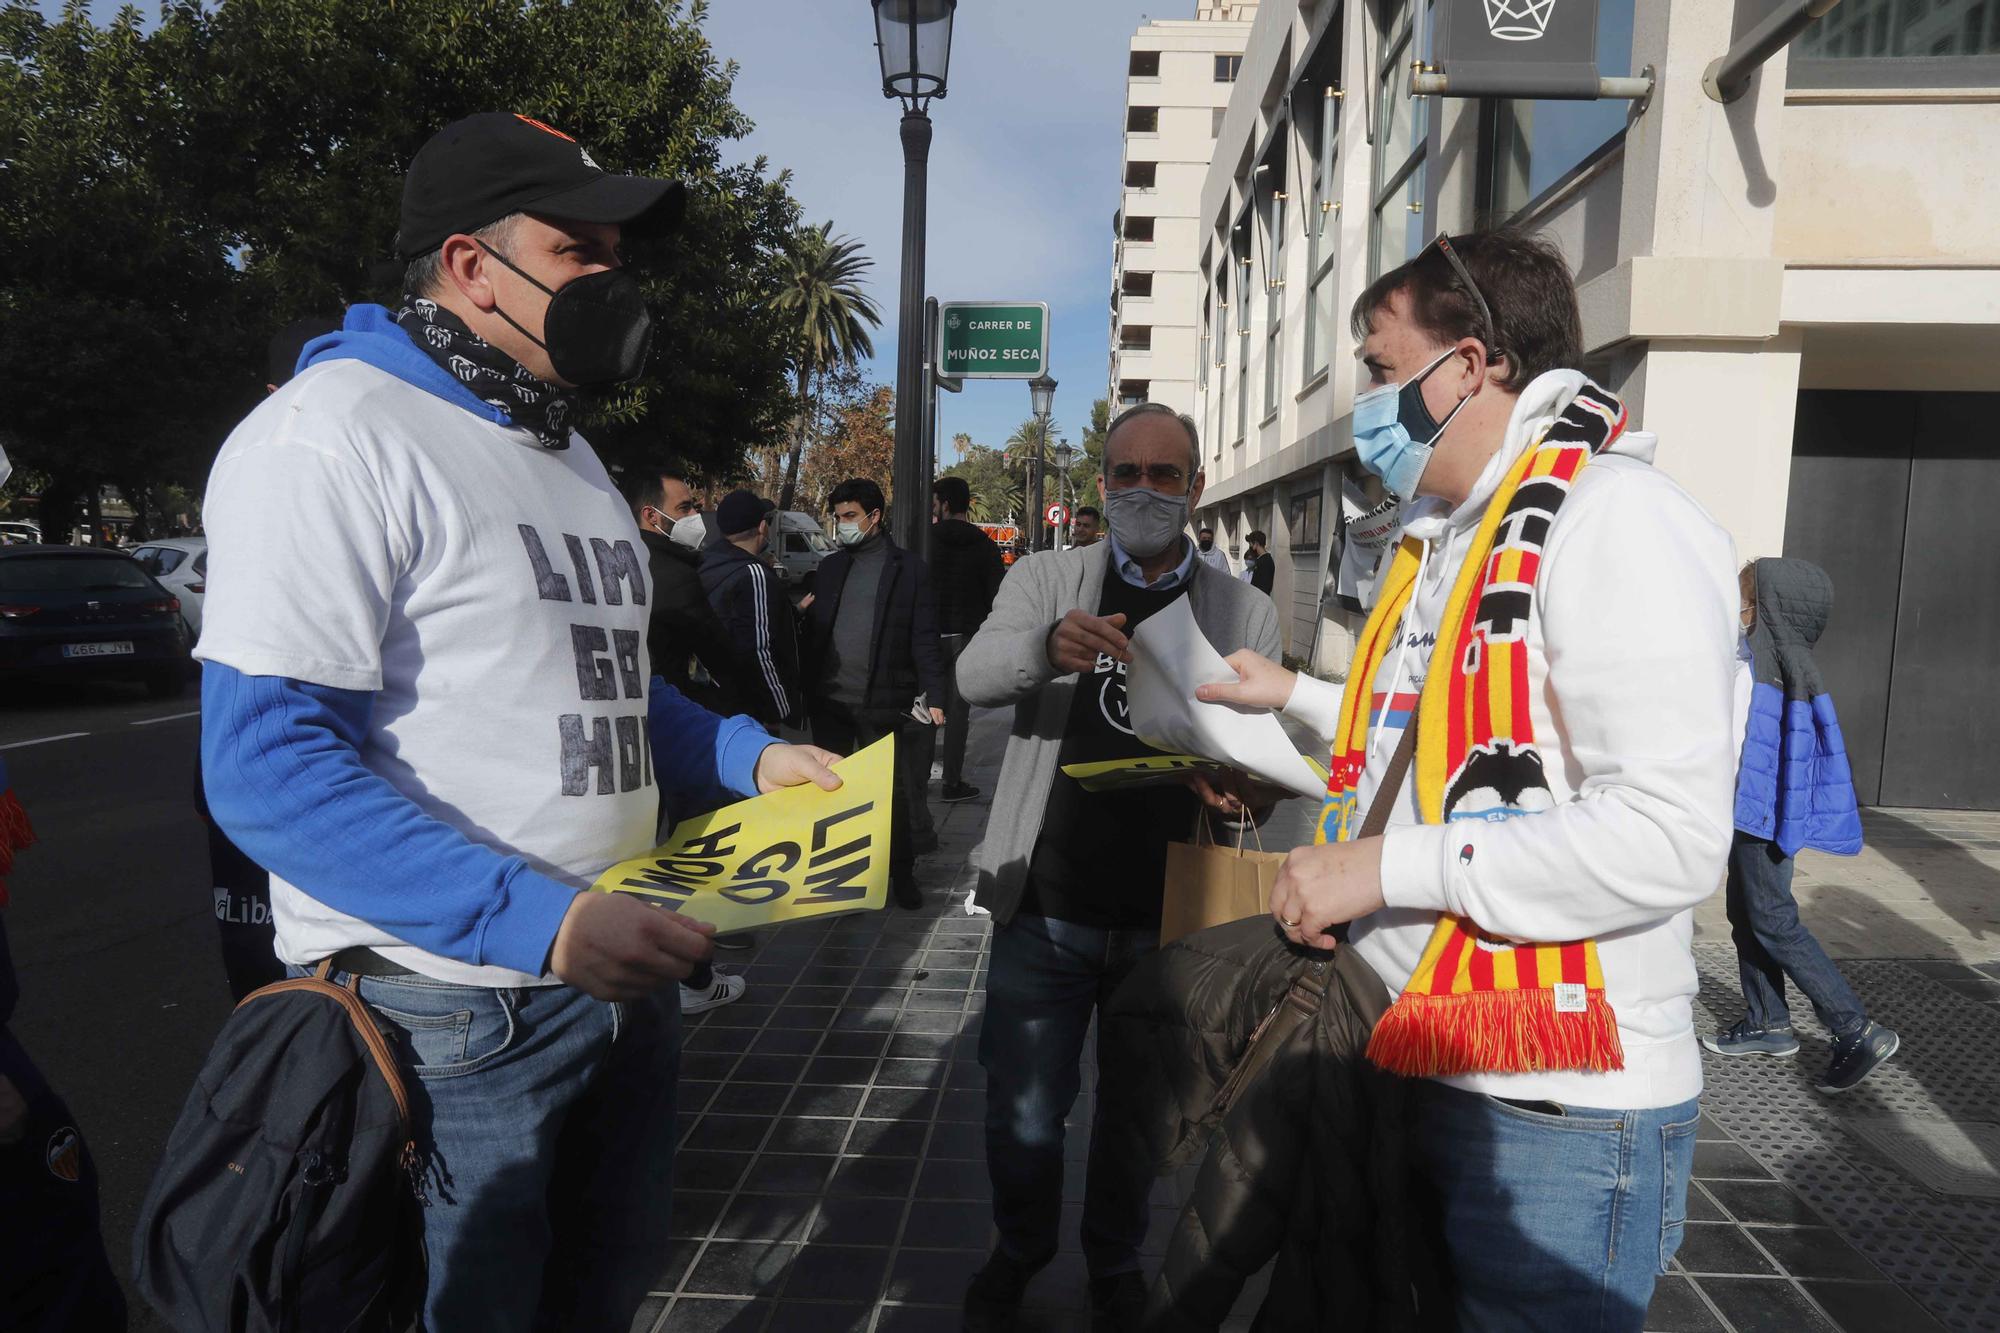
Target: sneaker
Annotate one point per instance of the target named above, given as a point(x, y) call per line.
point(993, 1298)
point(1747, 1039)
point(1855, 1057)
point(959, 791)
point(740, 940)
point(972, 907)
point(1117, 1303)
point(937, 772)
point(725, 989)
point(906, 893)
point(923, 844)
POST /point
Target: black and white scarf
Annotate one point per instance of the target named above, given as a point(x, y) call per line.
point(490, 373)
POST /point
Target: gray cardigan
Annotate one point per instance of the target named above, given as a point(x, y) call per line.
point(1007, 662)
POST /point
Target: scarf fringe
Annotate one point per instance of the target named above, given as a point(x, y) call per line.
point(1495, 1032)
point(15, 833)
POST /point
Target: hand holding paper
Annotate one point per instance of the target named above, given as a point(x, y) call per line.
point(1171, 658)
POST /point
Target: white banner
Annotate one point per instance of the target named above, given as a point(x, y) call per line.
point(1367, 529)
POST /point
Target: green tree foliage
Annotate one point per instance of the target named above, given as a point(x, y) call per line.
point(996, 482)
point(173, 197)
point(826, 316)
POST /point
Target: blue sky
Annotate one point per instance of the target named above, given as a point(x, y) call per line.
point(1023, 173)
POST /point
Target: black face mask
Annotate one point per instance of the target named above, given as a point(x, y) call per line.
point(598, 327)
point(1208, 545)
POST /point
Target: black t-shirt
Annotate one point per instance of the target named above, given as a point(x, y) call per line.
point(1101, 859)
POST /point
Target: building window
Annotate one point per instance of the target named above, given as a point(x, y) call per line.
point(1141, 175)
point(1323, 144)
point(1145, 65)
point(1398, 221)
point(1131, 393)
point(1304, 520)
point(1207, 347)
point(1271, 219)
point(1215, 122)
point(1899, 30)
point(1227, 68)
point(1138, 229)
point(1142, 120)
point(1224, 335)
point(1135, 338)
point(1536, 144)
point(1137, 284)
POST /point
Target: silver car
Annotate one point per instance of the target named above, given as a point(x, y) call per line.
point(181, 565)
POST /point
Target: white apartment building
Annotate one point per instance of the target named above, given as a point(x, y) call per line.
point(1180, 74)
point(1798, 292)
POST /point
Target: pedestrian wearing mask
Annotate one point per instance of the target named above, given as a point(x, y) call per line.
point(872, 666)
point(439, 750)
point(1208, 552)
point(686, 641)
point(1260, 571)
point(1075, 879)
point(1545, 696)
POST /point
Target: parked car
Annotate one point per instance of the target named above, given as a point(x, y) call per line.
point(798, 544)
point(181, 566)
point(77, 611)
point(17, 532)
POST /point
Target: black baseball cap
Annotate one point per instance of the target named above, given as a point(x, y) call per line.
point(478, 170)
point(741, 511)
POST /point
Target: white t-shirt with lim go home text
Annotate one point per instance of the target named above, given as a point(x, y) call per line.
point(366, 534)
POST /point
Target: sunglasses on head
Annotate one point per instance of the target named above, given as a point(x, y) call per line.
point(1442, 244)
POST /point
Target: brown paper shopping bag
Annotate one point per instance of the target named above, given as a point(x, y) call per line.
point(1208, 885)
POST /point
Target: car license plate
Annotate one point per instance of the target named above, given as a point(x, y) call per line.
point(118, 648)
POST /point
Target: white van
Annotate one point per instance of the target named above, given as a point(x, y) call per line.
point(798, 544)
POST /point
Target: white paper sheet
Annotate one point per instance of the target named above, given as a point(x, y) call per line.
point(1170, 657)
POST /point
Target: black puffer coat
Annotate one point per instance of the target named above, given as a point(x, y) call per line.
point(1308, 1165)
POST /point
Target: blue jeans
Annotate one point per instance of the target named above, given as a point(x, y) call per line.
point(1553, 1221)
point(1046, 980)
point(1772, 943)
point(547, 1122)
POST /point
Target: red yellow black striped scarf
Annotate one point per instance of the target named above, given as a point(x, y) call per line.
point(15, 831)
point(1477, 1004)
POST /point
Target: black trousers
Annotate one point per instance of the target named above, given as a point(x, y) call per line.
point(844, 733)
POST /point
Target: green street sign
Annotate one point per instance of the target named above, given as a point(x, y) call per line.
point(993, 340)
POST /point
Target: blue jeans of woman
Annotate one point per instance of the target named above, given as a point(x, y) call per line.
point(1772, 943)
point(1552, 1220)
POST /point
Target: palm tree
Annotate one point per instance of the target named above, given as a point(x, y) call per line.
point(829, 314)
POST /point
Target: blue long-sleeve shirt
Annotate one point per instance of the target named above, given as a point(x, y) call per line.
point(281, 760)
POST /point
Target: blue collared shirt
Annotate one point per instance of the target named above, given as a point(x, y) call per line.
point(1128, 568)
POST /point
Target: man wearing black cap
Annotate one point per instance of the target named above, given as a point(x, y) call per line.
point(442, 746)
point(756, 618)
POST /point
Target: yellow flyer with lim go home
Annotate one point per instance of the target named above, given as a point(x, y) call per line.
point(787, 855)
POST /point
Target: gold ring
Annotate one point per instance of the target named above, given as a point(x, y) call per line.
point(1288, 925)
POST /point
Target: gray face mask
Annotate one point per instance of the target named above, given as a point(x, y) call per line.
point(1144, 521)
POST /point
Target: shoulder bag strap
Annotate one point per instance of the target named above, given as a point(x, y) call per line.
point(1303, 997)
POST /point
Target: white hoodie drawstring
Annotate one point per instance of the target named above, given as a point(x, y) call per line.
point(1402, 649)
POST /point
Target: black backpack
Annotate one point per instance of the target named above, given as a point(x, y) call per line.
point(289, 1197)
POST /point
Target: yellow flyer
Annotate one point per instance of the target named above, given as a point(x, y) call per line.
point(1151, 770)
point(785, 856)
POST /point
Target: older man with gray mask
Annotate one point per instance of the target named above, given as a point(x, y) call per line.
point(1073, 909)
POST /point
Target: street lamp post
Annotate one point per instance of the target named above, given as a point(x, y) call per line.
point(913, 38)
point(1042, 395)
point(1065, 457)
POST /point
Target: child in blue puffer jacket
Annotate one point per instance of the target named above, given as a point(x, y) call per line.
point(1794, 789)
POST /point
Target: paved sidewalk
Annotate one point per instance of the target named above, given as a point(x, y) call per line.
point(832, 1174)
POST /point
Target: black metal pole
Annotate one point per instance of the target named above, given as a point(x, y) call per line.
point(912, 504)
point(929, 450)
point(1040, 542)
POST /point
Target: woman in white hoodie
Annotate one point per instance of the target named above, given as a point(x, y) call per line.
point(1564, 805)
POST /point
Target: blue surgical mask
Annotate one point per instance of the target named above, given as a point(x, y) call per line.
point(1387, 420)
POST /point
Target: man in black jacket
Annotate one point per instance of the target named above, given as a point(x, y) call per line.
point(871, 652)
point(683, 637)
point(754, 614)
point(967, 570)
point(1257, 562)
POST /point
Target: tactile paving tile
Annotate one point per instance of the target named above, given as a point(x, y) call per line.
point(1950, 1156)
point(1939, 1247)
